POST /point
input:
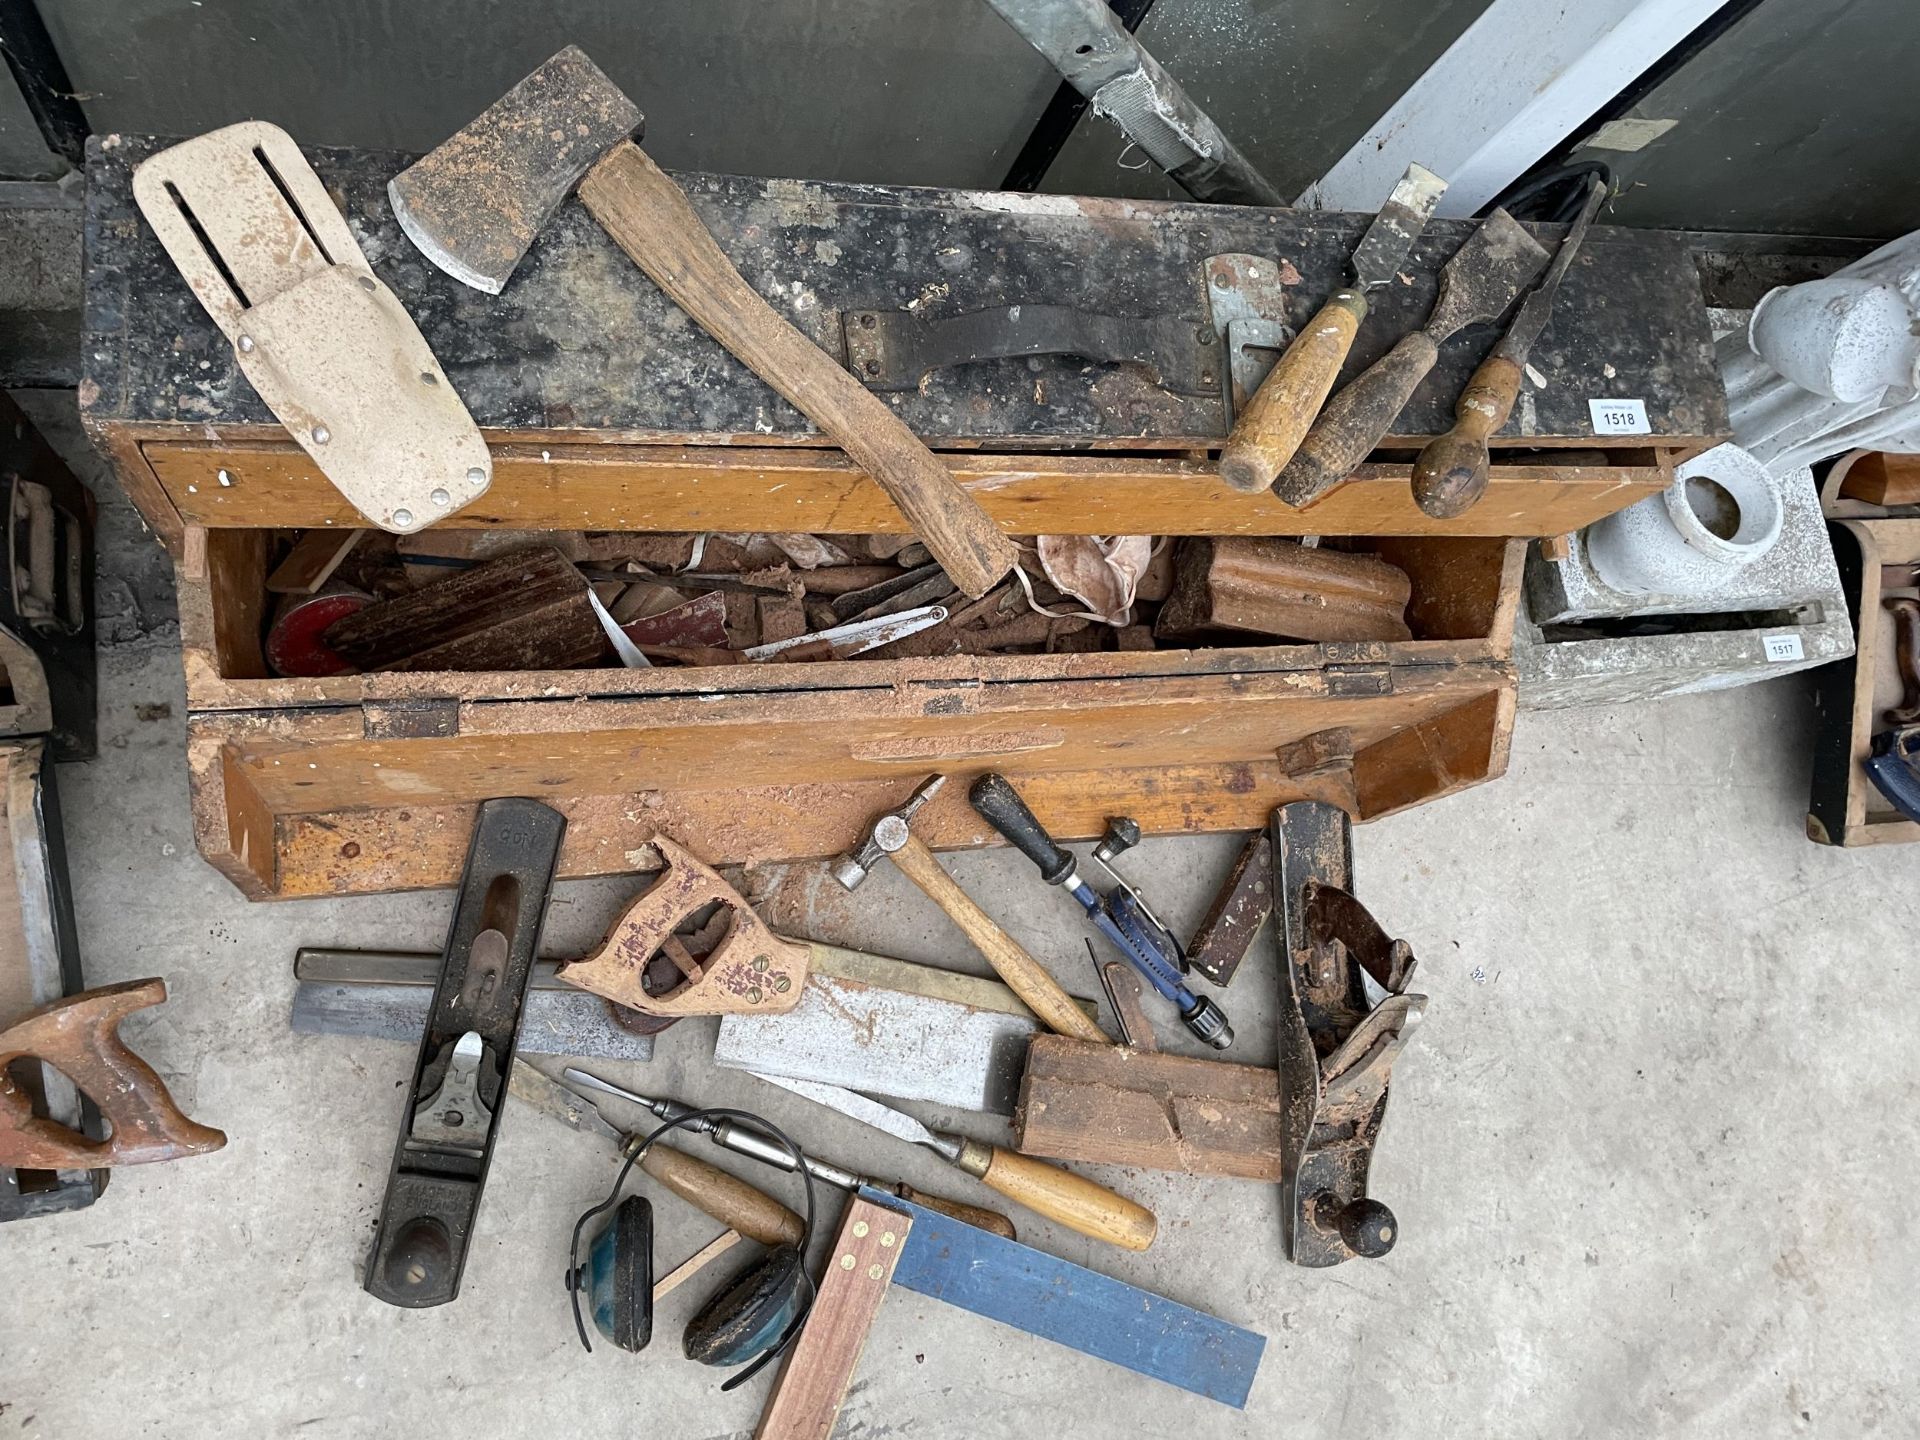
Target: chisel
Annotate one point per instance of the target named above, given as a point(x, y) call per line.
point(744, 1141)
point(1271, 428)
point(731, 1201)
point(1497, 261)
point(1451, 473)
point(1060, 1195)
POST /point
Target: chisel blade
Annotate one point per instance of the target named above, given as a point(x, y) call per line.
point(1397, 226)
point(543, 1093)
point(858, 1107)
point(1537, 308)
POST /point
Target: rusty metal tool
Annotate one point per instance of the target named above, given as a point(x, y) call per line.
point(1450, 474)
point(1267, 433)
point(451, 1115)
point(1478, 283)
point(474, 206)
point(743, 1140)
point(892, 834)
point(748, 968)
point(840, 642)
point(913, 1032)
point(1063, 1197)
point(1345, 1016)
point(79, 1035)
point(1238, 914)
point(1120, 915)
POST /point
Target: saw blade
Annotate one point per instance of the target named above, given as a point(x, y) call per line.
point(1397, 226)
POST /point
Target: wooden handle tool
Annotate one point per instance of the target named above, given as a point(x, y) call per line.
point(1451, 472)
point(1481, 279)
point(977, 1216)
point(1357, 420)
point(649, 217)
point(1023, 974)
point(1060, 1195)
point(1266, 434)
point(1271, 428)
point(728, 1199)
point(1063, 1197)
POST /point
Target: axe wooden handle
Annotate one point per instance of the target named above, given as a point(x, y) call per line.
point(648, 216)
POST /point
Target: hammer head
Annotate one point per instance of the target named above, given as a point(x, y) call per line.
point(889, 833)
point(474, 204)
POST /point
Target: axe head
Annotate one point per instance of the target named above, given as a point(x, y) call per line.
point(474, 204)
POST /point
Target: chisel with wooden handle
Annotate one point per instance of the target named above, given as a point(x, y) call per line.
point(1478, 283)
point(1450, 474)
point(733, 1136)
point(1060, 1195)
point(1270, 429)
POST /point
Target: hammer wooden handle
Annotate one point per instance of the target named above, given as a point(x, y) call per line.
point(1062, 1196)
point(1270, 429)
point(1356, 420)
point(730, 1200)
point(1024, 975)
point(1451, 472)
point(648, 216)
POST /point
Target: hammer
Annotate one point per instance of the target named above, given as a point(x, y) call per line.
point(474, 205)
point(1025, 976)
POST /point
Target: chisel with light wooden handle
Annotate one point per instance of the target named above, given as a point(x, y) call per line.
point(1060, 1195)
point(1450, 474)
point(1270, 429)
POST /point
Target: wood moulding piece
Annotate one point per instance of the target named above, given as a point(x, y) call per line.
point(1105, 1105)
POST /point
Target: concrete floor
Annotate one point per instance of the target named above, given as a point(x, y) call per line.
point(1648, 1150)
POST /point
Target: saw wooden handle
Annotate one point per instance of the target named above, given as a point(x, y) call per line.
point(1451, 472)
point(648, 216)
point(728, 1199)
point(1270, 429)
point(1356, 420)
point(80, 1036)
point(1062, 1196)
point(1023, 974)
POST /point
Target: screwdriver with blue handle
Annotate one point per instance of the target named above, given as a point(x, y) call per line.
point(1121, 915)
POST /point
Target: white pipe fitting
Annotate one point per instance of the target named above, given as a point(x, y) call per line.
point(1721, 513)
point(1845, 337)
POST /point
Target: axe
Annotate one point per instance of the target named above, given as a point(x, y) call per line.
point(474, 205)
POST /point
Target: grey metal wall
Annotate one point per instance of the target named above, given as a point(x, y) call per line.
point(1803, 119)
point(927, 91)
point(935, 92)
point(1799, 119)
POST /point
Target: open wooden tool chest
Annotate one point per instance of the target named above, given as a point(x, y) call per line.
point(1872, 504)
point(608, 410)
